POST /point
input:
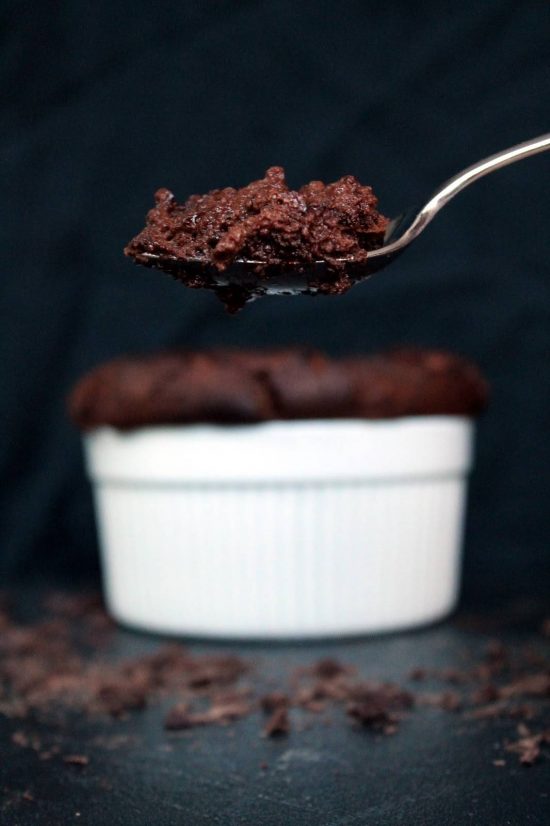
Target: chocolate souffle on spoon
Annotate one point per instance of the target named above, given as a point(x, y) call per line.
point(265, 239)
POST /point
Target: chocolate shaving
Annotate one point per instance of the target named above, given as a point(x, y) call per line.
point(73, 606)
point(19, 738)
point(278, 724)
point(445, 700)
point(221, 712)
point(452, 675)
point(276, 699)
point(501, 710)
point(328, 669)
point(212, 671)
point(55, 666)
point(495, 651)
point(117, 698)
point(530, 685)
point(178, 718)
point(528, 746)
point(76, 759)
point(373, 714)
point(486, 694)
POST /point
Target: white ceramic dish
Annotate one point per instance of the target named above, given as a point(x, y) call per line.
point(284, 529)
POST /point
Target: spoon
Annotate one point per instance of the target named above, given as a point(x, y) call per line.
point(256, 278)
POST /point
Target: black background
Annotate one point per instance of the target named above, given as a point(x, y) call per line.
point(106, 101)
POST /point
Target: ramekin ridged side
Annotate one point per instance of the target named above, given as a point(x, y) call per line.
point(284, 529)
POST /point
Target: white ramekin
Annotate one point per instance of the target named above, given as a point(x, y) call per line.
point(284, 529)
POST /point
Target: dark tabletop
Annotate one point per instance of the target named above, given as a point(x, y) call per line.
point(437, 769)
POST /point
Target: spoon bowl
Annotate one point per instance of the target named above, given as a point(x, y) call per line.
point(286, 277)
point(257, 278)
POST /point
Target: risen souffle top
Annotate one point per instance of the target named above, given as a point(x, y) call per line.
point(238, 387)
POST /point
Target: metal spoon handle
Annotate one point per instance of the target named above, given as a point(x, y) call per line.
point(478, 170)
point(463, 179)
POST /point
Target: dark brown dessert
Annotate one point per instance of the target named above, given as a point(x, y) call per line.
point(238, 387)
point(265, 223)
point(416, 382)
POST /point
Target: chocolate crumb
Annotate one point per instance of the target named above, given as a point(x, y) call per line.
point(375, 707)
point(312, 698)
point(328, 669)
point(445, 700)
point(530, 685)
point(501, 709)
point(387, 694)
point(527, 748)
point(73, 606)
point(453, 675)
point(212, 670)
point(533, 658)
point(418, 675)
point(495, 650)
point(491, 711)
point(486, 694)
point(545, 627)
point(116, 698)
point(222, 711)
point(274, 700)
point(451, 701)
point(76, 759)
point(525, 711)
point(372, 714)
point(19, 738)
point(499, 763)
point(484, 672)
point(528, 745)
point(278, 724)
point(178, 718)
point(523, 730)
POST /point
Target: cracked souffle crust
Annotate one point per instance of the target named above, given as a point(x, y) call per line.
point(239, 387)
point(264, 222)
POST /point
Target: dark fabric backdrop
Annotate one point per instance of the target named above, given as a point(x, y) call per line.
point(105, 101)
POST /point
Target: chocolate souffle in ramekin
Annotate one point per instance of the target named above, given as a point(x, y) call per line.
point(283, 493)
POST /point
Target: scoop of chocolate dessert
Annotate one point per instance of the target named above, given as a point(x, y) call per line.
point(241, 242)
